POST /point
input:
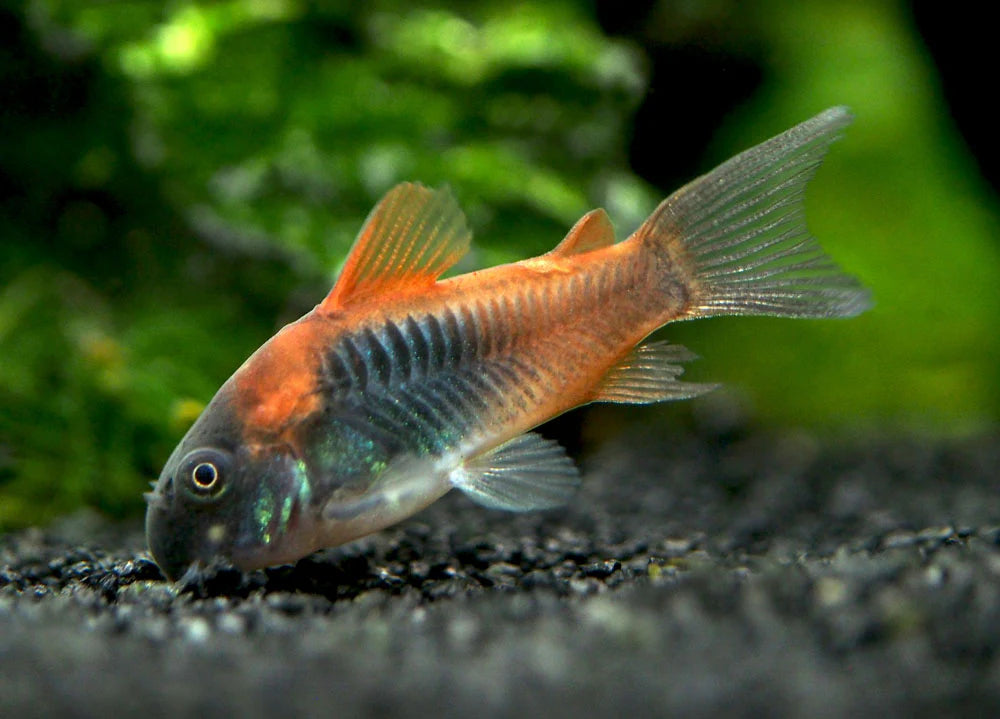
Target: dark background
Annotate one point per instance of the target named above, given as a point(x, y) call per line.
point(178, 181)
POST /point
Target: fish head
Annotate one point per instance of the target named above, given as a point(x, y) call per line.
point(222, 498)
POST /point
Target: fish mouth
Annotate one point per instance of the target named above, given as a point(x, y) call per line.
point(181, 558)
point(183, 552)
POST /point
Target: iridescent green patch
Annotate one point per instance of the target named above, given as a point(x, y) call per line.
point(263, 513)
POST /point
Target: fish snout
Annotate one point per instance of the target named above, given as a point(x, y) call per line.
point(171, 550)
point(177, 538)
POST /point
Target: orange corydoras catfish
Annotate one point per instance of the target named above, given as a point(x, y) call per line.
point(399, 386)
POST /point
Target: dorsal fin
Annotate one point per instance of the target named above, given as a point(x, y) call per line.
point(591, 232)
point(412, 236)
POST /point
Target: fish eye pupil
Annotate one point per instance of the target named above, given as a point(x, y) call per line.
point(205, 475)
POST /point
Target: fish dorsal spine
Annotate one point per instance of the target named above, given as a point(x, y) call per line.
point(411, 237)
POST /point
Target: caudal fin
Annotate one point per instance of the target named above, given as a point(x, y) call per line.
point(737, 237)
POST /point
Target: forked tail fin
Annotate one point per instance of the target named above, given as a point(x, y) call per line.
point(736, 238)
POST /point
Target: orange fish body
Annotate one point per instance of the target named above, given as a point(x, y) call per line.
point(399, 386)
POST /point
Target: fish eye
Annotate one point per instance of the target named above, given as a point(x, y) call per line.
point(205, 475)
point(203, 472)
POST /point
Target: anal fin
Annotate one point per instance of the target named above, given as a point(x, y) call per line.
point(650, 373)
point(525, 473)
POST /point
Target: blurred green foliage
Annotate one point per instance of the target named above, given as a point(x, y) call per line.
point(180, 179)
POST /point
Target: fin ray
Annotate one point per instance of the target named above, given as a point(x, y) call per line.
point(648, 374)
point(411, 237)
point(526, 473)
point(738, 237)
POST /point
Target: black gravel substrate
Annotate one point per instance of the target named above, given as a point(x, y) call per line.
point(734, 574)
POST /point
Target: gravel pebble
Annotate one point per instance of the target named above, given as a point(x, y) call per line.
point(734, 573)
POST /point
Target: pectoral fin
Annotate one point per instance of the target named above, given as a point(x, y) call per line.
point(528, 472)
